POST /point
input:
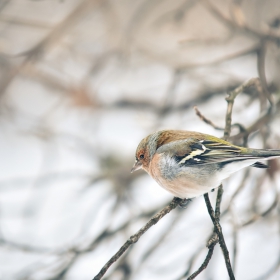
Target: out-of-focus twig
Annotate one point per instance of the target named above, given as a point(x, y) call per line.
point(204, 119)
point(235, 238)
point(270, 35)
point(264, 119)
point(24, 22)
point(38, 50)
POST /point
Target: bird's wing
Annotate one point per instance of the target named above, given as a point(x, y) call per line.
point(200, 152)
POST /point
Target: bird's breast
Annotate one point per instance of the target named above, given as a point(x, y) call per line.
point(183, 182)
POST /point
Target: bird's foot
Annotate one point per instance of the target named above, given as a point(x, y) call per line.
point(184, 203)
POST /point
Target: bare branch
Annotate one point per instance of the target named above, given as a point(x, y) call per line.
point(230, 100)
point(204, 119)
point(207, 259)
point(218, 230)
point(134, 238)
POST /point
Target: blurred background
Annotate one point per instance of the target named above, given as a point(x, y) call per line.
point(82, 82)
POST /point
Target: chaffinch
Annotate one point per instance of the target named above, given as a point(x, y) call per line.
point(189, 164)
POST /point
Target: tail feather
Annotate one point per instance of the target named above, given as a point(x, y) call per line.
point(259, 165)
point(265, 154)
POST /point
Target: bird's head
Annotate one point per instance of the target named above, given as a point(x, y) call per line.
point(142, 155)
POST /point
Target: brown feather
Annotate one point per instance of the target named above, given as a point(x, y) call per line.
point(168, 136)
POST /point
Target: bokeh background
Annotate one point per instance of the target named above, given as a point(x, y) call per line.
point(82, 82)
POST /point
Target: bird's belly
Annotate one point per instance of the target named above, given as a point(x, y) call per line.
point(183, 183)
point(184, 188)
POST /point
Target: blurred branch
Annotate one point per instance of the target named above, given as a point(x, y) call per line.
point(3, 4)
point(37, 51)
point(25, 22)
point(276, 265)
point(263, 120)
point(204, 119)
point(235, 238)
point(263, 214)
point(271, 35)
point(244, 52)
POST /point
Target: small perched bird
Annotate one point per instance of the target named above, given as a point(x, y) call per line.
point(189, 164)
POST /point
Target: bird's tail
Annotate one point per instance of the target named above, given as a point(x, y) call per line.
point(265, 154)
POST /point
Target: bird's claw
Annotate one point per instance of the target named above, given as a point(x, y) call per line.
point(184, 203)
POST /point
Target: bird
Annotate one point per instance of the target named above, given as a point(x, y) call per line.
point(189, 164)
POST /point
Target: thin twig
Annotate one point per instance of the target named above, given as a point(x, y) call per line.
point(264, 119)
point(134, 238)
point(275, 267)
point(230, 100)
point(191, 262)
point(218, 202)
point(270, 35)
point(237, 191)
point(260, 122)
point(235, 238)
point(218, 230)
point(203, 118)
point(206, 261)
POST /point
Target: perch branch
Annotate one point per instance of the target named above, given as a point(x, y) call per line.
point(134, 238)
point(218, 230)
point(211, 248)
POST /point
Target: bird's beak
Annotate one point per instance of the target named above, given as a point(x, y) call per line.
point(137, 165)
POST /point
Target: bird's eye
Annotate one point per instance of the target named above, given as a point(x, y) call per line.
point(141, 156)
